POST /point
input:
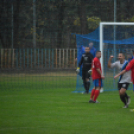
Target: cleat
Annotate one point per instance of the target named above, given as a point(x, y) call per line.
point(128, 100)
point(126, 106)
point(97, 101)
point(91, 101)
point(85, 92)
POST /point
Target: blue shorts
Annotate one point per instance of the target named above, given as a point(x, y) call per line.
point(98, 83)
point(133, 87)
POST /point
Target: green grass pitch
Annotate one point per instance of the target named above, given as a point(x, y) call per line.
point(38, 105)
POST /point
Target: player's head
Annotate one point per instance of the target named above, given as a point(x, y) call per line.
point(121, 56)
point(87, 49)
point(98, 54)
point(91, 44)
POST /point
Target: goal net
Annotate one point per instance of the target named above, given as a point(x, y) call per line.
point(111, 38)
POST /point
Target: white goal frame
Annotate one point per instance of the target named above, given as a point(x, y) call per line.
point(101, 34)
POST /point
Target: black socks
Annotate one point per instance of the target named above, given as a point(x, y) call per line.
point(87, 86)
point(126, 96)
point(123, 99)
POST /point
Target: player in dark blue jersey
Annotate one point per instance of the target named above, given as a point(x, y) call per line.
point(92, 49)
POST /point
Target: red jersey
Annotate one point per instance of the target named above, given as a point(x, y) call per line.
point(130, 66)
point(96, 65)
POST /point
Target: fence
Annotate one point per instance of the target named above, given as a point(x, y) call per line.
point(38, 58)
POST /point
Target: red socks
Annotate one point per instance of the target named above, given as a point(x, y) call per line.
point(92, 94)
point(97, 92)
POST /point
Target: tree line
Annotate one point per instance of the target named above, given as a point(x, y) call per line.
point(56, 20)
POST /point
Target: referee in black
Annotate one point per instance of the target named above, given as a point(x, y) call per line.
point(86, 61)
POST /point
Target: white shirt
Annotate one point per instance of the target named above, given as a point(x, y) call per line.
point(126, 78)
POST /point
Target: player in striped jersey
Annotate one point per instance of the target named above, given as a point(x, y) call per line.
point(124, 80)
point(129, 67)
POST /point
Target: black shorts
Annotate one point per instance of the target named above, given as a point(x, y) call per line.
point(85, 75)
point(123, 85)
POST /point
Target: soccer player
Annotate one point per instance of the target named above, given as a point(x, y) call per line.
point(130, 66)
point(124, 80)
point(93, 52)
point(97, 77)
point(86, 61)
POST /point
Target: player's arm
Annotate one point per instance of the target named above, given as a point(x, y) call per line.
point(81, 61)
point(129, 67)
point(90, 69)
point(110, 61)
point(79, 65)
point(119, 74)
point(99, 71)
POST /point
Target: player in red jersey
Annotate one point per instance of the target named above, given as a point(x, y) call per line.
point(97, 77)
point(130, 66)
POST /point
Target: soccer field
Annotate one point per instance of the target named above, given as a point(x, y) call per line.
point(29, 107)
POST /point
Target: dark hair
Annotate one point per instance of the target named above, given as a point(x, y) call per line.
point(122, 53)
point(97, 52)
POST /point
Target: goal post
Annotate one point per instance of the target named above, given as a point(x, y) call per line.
point(102, 24)
point(114, 37)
